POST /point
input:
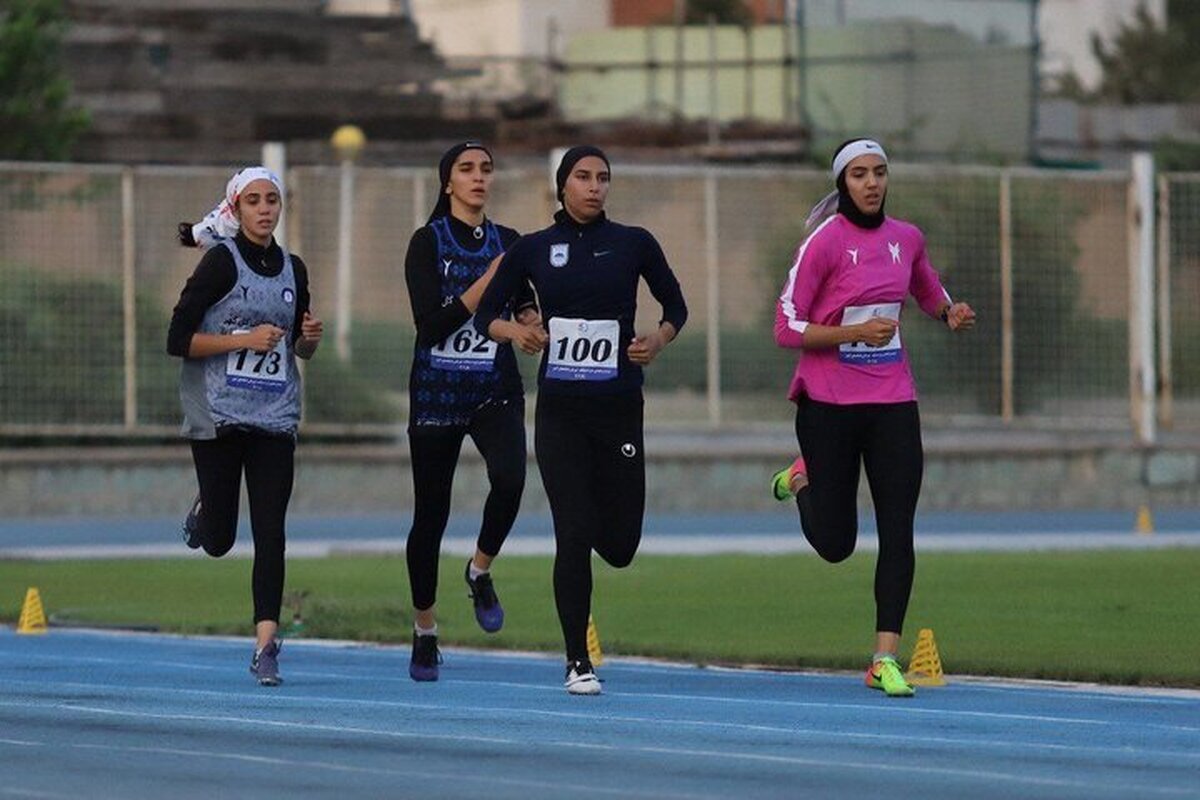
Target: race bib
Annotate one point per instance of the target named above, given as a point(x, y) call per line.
point(582, 349)
point(465, 350)
point(861, 353)
point(262, 372)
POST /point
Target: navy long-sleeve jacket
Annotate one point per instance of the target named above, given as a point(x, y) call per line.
point(587, 272)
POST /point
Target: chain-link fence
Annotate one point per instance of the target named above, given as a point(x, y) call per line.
point(91, 270)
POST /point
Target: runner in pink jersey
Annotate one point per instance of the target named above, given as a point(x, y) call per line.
point(856, 402)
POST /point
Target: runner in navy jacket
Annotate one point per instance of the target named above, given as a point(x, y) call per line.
point(588, 436)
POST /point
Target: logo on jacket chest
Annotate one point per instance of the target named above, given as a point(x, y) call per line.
point(560, 254)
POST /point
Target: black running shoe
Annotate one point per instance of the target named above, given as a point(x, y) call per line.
point(488, 611)
point(425, 658)
point(191, 525)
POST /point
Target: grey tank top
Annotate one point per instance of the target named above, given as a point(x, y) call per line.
point(245, 389)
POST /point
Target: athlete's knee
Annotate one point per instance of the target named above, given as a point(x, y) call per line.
point(216, 549)
point(619, 554)
point(833, 546)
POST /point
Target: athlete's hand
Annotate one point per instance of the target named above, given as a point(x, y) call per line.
point(529, 316)
point(876, 332)
point(263, 338)
point(643, 349)
point(532, 339)
point(960, 317)
point(311, 328)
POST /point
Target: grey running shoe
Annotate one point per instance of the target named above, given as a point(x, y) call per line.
point(265, 664)
point(191, 525)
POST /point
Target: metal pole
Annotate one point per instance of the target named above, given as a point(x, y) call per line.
point(1141, 229)
point(1007, 366)
point(274, 158)
point(1166, 382)
point(680, 12)
point(420, 202)
point(714, 128)
point(713, 297)
point(129, 295)
point(345, 253)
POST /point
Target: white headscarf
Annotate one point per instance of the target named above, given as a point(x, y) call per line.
point(852, 150)
point(222, 222)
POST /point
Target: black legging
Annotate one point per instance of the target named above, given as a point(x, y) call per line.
point(589, 452)
point(498, 430)
point(269, 464)
point(837, 441)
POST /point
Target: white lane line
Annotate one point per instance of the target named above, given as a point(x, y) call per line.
point(454, 779)
point(509, 712)
point(524, 744)
point(889, 708)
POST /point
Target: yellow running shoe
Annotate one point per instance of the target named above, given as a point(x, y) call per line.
point(886, 675)
point(789, 480)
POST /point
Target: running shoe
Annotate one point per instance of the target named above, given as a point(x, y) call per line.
point(581, 678)
point(886, 675)
point(265, 664)
point(488, 611)
point(423, 666)
point(789, 480)
point(191, 525)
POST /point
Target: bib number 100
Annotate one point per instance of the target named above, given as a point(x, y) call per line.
point(582, 349)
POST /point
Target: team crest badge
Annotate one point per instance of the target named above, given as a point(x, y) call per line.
point(559, 254)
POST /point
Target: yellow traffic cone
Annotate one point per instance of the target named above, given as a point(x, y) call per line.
point(1145, 521)
point(593, 644)
point(33, 616)
point(925, 667)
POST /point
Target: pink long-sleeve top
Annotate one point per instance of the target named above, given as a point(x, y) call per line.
point(843, 275)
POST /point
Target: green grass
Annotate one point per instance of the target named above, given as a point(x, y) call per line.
point(1115, 617)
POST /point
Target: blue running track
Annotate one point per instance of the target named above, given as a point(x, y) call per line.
point(103, 715)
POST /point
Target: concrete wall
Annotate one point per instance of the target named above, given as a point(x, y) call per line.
point(686, 472)
point(512, 28)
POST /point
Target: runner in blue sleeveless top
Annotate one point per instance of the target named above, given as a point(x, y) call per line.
point(462, 383)
point(242, 319)
point(586, 270)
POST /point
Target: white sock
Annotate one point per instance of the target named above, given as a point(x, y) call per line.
point(475, 571)
point(880, 656)
point(425, 631)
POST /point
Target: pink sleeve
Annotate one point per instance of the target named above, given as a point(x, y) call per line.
point(925, 285)
point(808, 272)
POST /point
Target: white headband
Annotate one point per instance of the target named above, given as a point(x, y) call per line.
point(828, 204)
point(222, 222)
point(860, 147)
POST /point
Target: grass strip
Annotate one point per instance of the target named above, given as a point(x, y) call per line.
point(1122, 617)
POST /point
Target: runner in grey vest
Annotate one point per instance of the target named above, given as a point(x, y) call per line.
point(254, 390)
point(241, 322)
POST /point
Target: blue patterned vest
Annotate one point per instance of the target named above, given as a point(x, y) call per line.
point(456, 377)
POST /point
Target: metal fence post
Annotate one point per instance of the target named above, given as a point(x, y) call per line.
point(129, 295)
point(1007, 367)
point(713, 298)
point(1141, 229)
point(1166, 396)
